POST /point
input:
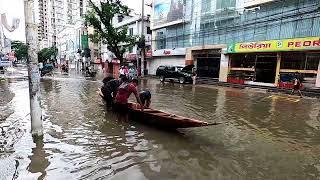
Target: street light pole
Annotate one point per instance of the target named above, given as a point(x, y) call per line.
point(142, 36)
point(33, 69)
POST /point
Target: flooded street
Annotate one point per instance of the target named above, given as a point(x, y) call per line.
point(263, 136)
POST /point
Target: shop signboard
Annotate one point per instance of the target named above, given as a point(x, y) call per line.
point(170, 52)
point(84, 41)
point(131, 57)
point(298, 44)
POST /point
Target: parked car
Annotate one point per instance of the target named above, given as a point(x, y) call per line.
point(175, 73)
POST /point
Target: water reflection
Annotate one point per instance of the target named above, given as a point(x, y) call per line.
point(39, 159)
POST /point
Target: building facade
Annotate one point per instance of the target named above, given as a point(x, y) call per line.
point(209, 29)
point(62, 25)
point(47, 25)
point(132, 55)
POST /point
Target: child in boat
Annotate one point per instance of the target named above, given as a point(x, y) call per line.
point(145, 97)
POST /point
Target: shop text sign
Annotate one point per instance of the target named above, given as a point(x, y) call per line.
point(299, 44)
point(169, 52)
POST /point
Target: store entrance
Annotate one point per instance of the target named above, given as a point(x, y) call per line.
point(208, 66)
point(265, 69)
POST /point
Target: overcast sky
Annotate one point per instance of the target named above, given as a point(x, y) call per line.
point(14, 8)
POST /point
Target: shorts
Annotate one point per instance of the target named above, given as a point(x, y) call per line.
point(121, 108)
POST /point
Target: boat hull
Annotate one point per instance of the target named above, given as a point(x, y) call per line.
point(161, 119)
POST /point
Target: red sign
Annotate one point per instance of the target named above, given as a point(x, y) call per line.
point(149, 53)
point(304, 43)
point(166, 52)
point(131, 57)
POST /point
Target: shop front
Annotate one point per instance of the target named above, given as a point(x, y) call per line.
point(275, 62)
point(208, 61)
point(170, 57)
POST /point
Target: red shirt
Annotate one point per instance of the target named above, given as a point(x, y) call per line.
point(124, 92)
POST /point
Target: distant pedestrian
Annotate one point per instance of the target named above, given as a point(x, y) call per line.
point(132, 72)
point(296, 86)
point(194, 76)
point(126, 71)
point(121, 72)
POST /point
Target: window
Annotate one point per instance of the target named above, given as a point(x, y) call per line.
point(205, 6)
point(148, 30)
point(221, 4)
point(120, 18)
point(130, 31)
point(161, 40)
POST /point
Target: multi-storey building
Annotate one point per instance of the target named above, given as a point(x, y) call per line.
point(61, 25)
point(258, 41)
point(133, 54)
point(47, 25)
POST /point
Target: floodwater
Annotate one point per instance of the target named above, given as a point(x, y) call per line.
point(263, 136)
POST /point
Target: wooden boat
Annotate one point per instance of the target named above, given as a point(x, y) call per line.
point(161, 119)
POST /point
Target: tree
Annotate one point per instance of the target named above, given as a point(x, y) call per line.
point(46, 53)
point(20, 49)
point(100, 18)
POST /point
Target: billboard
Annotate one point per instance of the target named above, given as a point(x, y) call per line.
point(167, 11)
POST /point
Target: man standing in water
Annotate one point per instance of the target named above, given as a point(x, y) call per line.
point(121, 99)
point(109, 89)
point(296, 86)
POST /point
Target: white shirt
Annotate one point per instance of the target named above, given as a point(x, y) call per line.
point(121, 71)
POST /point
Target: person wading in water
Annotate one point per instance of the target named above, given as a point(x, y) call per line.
point(296, 86)
point(109, 90)
point(121, 99)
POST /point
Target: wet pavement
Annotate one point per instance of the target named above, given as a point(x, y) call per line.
point(263, 136)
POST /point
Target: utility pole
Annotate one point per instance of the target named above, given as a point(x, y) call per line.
point(33, 69)
point(143, 38)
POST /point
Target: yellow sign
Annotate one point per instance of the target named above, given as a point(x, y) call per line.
point(298, 44)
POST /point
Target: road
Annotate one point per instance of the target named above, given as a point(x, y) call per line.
point(263, 136)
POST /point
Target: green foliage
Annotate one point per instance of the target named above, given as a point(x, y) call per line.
point(46, 53)
point(20, 49)
point(100, 18)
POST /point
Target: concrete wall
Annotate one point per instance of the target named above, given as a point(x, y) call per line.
point(224, 68)
point(164, 60)
point(318, 77)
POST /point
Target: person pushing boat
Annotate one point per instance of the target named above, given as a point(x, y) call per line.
point(145, 97)
point(121, 99)
point(109, 89)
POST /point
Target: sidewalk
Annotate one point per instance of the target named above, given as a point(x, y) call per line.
point(305, 92)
